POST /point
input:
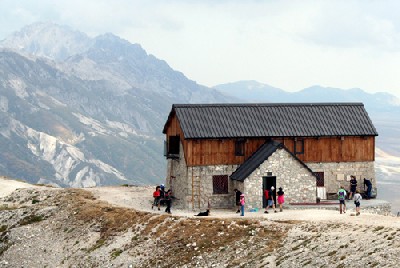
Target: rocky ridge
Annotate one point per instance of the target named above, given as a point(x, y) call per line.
point(48, 227)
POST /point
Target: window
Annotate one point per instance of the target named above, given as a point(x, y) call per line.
point(239, 147)
point(298, 146)
point(320, 179)
point(220, 184)
point(173, 145)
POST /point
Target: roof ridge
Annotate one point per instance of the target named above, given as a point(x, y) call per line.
point(190, 105)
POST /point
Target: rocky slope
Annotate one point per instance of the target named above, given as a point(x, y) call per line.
point(77, 111)
point(50, 227)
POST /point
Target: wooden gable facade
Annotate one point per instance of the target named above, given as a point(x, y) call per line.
point(203, 151)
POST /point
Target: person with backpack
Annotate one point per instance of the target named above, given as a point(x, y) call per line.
point(242, 202)
point(168, 200)
point(156, 196)
point(353, 187)
point(342, 198)
point(368, 183)
point(271, 200)
point(281, 198)
point(162, 195)
point(266, 195)
point(237, 200)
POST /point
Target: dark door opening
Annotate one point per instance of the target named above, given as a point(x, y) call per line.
point(267, 183)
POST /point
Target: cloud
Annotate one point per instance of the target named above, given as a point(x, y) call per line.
point(354, 24)
point(288, 44)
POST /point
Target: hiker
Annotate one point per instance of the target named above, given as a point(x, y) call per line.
point(281, 198)
point(156, 195)
point(357, 198)
point(237, 200)
point(168, 200)
point(271, 202)
point(342, 197)
point(353, 187)
point(368, 183)
point(162, 194)
point(266, 195)
point(242, 202)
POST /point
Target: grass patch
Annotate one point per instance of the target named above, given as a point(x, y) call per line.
point(4, 248)
point(330, 254)
point(115, 253)
point(5, 207)
point(378, 228)
point(3, 228)
point(31, 219)
point(99, 243)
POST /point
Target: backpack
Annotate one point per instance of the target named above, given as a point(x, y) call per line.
point(341, 195)
point(266, 194)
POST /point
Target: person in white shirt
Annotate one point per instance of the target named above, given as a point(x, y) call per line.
point(357, 198)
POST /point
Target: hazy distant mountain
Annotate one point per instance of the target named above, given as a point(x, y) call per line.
point(48, 40)
point(78, 111)
point(81, 111)
point(253, 91)
point(383, 108)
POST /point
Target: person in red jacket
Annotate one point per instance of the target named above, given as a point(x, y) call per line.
point(157, 196)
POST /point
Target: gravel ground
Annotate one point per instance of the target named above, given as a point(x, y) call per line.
point(116, 227)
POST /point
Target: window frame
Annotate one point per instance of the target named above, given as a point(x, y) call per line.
point(173, 145)
point(220, 184)
point(239, 147)
point(298, 146)
point(320, 179)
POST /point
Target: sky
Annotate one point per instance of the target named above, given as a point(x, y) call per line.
point(287, 44)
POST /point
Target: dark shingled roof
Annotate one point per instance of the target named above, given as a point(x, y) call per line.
point(202, 121)
point(256, 159)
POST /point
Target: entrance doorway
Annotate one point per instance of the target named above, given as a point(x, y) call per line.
point(267, 183)
point(321, 190)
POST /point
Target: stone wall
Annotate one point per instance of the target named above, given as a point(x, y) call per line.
point(193, 186)
point(194, 190)
point(204, 175)
point(298, 183)
point(381, 208)
point(176, 179)
point(336, 174)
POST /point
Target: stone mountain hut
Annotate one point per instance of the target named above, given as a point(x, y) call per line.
point(308, 149)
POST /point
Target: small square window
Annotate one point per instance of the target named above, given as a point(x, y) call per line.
point(299, 146)
point(320, 179)
point(173, 145)
point(220, 184)
point(239, 147)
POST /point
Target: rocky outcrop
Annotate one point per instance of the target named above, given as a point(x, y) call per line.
point(85, 232)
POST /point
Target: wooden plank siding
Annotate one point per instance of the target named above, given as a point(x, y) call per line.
point(222, 152)
point(203, 152)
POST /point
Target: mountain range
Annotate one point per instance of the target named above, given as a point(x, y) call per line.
point(77, 111)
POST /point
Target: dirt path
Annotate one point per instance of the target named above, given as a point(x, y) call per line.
point(140, 198)
point(8, 186)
